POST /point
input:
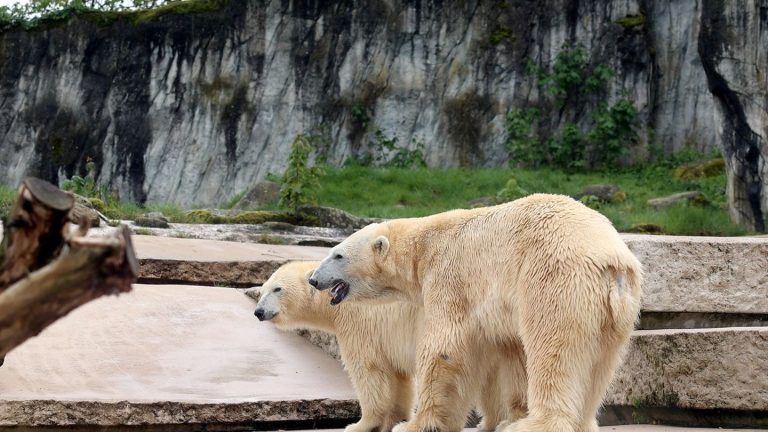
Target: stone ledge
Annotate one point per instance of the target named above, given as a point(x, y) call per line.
point(703, 274)
point(697, 369)
point(124, 413)
point(682, 274)
point(686, 369)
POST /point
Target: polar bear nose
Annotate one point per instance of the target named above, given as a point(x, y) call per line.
point(313, 282)
point(259, 314)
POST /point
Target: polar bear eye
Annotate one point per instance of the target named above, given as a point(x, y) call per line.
point(278, 289)
point(337, 257)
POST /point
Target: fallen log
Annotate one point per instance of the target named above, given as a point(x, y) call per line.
point(49, 269)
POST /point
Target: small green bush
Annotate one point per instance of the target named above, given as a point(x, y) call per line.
point(300, 182)
point(572, 85)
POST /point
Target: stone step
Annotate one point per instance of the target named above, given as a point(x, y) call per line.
point(688, 377)
point(683, 274)
point(625, 428)
point(164, 355)
point(690, 281)
point(703, 274)
point(210, 262)
point(168, 355)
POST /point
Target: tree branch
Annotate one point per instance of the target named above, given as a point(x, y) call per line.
point(48, 271)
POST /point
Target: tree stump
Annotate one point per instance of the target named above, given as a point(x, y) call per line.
point(49, 268)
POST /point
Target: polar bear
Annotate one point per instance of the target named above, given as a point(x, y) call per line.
point(544, 271)
point(378, 347)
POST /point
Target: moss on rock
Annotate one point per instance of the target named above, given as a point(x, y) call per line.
point(708, 168)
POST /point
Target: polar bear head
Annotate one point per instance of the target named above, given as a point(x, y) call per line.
point(285, 297)
point(359, 268)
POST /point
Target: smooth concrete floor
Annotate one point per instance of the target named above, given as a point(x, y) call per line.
point(170, 248)
point(170, 343)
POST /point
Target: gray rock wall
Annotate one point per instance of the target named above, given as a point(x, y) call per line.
point(193, 109)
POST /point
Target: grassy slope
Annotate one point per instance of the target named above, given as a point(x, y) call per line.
point(390, 193)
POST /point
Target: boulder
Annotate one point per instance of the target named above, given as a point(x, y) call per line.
point(707, 168)
point(646, 228)
point(151, 222)
point(603, 192)
point(156, 215)
point(261, 194)
point(691, 197)
point(331, 218)
point(81, 211)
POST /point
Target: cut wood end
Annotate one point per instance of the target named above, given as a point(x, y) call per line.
point(49, 194)
point(130, 254)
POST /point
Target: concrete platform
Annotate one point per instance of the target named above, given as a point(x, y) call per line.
point(703, 274)
point(211, 262)
point(169, 354)
point(721, 275)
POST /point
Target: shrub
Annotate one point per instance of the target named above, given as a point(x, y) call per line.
point(299, 182)
point(544, 136)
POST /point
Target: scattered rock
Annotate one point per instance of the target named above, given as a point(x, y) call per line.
point(151, 222)
point(604, 192)
point(329, 243)
point(708, 168)
point(331, 218)
point(279, 226)
point(156, 215)
point(646, 228)
point(691, 197)
point(245, 217)
point(262, 193)
point(590, 201)
point(486, 201)
point(81, 211)
point(260, 217)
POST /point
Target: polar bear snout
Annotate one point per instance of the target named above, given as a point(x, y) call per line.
point(312, 281)
point(264, 315)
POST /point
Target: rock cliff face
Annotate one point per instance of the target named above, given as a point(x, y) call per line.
point(194, 108)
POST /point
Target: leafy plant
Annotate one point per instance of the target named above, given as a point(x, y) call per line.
point(385, 152)
point(300, 181)
point(87, 186)
point(360, 115)
point(511, 191)
point(549, 134)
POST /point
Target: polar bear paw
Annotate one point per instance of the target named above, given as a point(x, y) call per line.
point(487, 426)
point(501, 426)
point(360, 427)
point(405, 426)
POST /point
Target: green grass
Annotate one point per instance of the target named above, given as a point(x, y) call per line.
point(7, 196)
point(397, 192)
point(394, 193)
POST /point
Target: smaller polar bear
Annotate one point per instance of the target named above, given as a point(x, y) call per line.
point(378, 347)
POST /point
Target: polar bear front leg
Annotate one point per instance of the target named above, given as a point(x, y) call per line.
point(445, 367)
point(376, 390)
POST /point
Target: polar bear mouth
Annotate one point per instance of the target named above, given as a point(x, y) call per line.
point(339, 292)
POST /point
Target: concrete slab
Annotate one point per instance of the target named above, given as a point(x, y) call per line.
point(169, 354)
point(683, 274)
point(211, 262)
point(703, 274)
point(627, 428)
point(695, 369)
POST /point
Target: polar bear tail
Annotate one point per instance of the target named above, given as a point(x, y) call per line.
point(625, 294)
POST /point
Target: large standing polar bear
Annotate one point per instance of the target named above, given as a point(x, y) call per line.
point(544, 271)
point(378, 347)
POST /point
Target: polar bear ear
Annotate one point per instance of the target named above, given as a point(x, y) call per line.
point(381, 245)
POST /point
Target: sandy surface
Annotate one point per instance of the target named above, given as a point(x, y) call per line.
point(170, 343)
